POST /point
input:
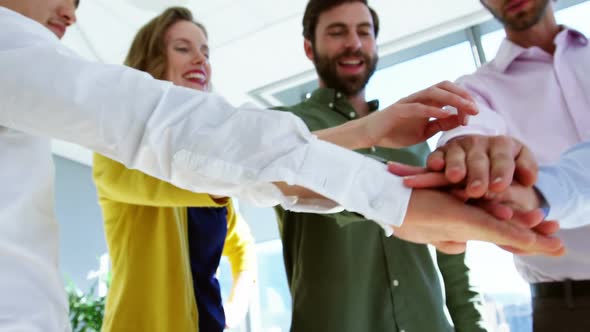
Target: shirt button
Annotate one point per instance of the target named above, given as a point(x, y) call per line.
point(338, 95)
point(402, 331)
point(331, 105)
point(352, 115)
point(373, 149)
point(395, 284)
point(377, 204)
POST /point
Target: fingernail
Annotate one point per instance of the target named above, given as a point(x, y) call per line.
point(476, 183)
point(450, 109)
point(409, 177)
point(497, 180)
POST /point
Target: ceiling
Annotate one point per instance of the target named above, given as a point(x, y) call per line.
point(256, 45)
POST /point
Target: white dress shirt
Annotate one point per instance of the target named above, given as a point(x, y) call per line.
point(542, 100)
point(194, 140)
point(566, 187)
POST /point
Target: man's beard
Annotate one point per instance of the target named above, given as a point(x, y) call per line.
point(327, 69)
point(523, 20)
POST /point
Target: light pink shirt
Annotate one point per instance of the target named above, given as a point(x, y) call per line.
point(544, 101)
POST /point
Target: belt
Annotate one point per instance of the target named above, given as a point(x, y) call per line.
point(561, 289)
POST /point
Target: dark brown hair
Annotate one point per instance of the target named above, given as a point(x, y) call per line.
point(316, 7)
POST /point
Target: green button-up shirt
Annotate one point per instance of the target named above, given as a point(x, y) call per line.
point(346, 276)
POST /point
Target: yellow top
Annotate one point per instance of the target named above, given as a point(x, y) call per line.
point(145, 223)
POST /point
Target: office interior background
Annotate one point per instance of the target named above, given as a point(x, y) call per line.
point(257, 57)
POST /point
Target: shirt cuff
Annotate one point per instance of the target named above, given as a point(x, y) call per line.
point(464, 131)
point(356, 182)
point(553, 191)
point(486, 123)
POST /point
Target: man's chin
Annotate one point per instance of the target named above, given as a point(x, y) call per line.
point(520, 25)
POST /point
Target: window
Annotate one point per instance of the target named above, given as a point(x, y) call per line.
point(576, 17)
point(491, 43)
point(507, 296)
point(393, 83)
point(271, 309)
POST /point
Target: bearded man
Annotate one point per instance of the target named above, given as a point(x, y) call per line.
point(344, 274)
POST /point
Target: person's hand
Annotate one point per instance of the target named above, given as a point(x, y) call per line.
point(517, 197)
point(516, 203)
point(483, 163)
point(500, 205)
point(444, 221)
point(416, 118)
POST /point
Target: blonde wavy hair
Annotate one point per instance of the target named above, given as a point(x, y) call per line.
point(148, 49)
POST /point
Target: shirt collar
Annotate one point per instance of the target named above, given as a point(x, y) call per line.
point(509, 51)
point(46, 31)
point(337, 101)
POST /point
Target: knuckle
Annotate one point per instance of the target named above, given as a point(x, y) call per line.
point(501, 155)
point(470, 139)
point(478, 156)
point(502, 141)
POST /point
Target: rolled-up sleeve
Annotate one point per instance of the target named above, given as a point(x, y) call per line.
point(194, 140)
point(566, 187)
point(488, 122)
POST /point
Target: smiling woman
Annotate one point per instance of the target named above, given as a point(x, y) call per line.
point(154, 43)
point(182, 233)
point(187, 53)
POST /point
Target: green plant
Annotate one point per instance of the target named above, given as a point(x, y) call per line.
point(86, 309)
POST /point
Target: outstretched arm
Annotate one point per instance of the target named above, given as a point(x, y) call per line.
point(117, 183)
point(194, 140)
point(197, 141)
point(566, 187)
point(446, 222)
point(410, 121)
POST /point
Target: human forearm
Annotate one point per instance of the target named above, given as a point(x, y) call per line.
point(566, 187)
point(410, 121)
point(387, 205)
point(487, 122)
point(117, 183)
point(194, 140)
point(349, 135)
point(446, 222)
